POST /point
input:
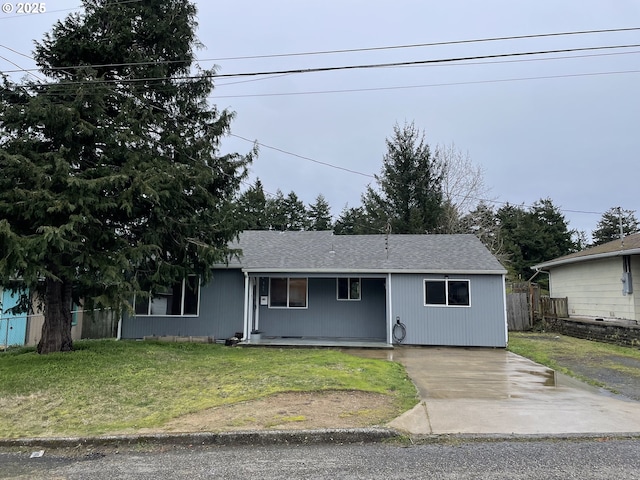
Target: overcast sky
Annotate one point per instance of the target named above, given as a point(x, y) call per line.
point(564, 126)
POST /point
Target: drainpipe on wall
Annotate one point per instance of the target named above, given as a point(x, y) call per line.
point(389, 311)
point(246, 307)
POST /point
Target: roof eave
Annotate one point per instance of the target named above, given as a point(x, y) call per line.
point(584, 258)
point(373, 271)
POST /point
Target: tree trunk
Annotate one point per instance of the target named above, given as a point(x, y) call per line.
point(56, 330)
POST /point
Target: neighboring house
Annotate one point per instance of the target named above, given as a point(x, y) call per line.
point(13, 328)
point(26, 329)
point(598, 281)
point(445, 289)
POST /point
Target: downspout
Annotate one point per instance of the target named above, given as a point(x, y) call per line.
point(389, 311)
point(532, 307)
point(246, 307)
point(504, 303)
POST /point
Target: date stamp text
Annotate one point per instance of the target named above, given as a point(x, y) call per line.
point(24, 8)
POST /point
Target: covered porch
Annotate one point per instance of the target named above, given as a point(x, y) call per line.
point(316, 309)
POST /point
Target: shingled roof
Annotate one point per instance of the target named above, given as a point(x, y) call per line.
point(269, 251)
point(630, 245)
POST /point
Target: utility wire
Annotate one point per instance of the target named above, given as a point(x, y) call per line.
point(327, 164)
point(355, 50)
point(430, 85)
point(352, 67)
point(418, 45)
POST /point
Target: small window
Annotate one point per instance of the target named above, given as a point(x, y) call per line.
point(348, 289)
point(177, 300)
point(288, 293)
point(447, 292)
point(435, 292)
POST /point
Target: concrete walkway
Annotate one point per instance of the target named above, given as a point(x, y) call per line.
point(493, 391)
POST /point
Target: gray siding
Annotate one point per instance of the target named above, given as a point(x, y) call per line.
point(328, 317)
point(220, 315)
point(480, 324)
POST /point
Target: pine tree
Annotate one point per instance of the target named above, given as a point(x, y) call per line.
point(353, 221)
point(409, 195)
point(252, 206)
point(112, 182)
point(608, 227)
point(319, 214)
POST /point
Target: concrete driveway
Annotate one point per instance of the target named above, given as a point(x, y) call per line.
point(485, 391)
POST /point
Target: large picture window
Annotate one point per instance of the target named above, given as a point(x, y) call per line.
point(447, 292)
point(180, 299)
point(288, 292)
point(348, 289)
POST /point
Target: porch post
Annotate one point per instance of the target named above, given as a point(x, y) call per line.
point(246, 307)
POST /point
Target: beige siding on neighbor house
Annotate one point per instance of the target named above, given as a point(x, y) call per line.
point(594, 288)
point(34, 328)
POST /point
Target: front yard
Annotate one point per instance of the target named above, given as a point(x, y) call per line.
point(107, 386)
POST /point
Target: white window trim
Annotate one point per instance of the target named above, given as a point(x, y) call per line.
point(446, 292)
point(348, 289)
point(182, 314)
point(287, 307)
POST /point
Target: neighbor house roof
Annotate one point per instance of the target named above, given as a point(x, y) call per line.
point(630, 245)
point(269, 251)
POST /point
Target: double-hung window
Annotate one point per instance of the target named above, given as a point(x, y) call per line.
point(180, 299)
point(447, 292)
point(348, 288)
point(287, 292)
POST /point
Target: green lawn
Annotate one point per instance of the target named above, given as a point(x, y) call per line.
point(107, 386)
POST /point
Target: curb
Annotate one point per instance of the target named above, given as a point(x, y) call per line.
point(261, 438)
point(298, 437)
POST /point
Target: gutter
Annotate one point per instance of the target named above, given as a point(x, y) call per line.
point(379, 271)
point(584, 258)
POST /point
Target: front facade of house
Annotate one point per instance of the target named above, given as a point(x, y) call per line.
point(598, 282)
point(445, 289)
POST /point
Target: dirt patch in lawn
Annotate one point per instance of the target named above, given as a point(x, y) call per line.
point(290, 411)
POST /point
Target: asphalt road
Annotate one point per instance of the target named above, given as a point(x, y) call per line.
point(548, 459)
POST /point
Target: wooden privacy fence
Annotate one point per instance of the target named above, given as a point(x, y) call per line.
point(554, 307)
point(518, 311)
point(525, 305)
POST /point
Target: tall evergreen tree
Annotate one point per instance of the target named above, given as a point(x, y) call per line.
point(483, 223)
point(409, 195)
point(533, 236)
point(112, 182)
point(252, 206)
point(608, 227)
point(319, 214)
point(286, 213)
point(354, 221)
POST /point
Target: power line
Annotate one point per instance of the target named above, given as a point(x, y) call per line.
point(356, 50)
point(419, 45)
point(16, 65)
point(337, 167)
point(407, 87)
point(326, 164)
point(351, 67)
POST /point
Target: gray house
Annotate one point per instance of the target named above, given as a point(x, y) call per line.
point(295, 286)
